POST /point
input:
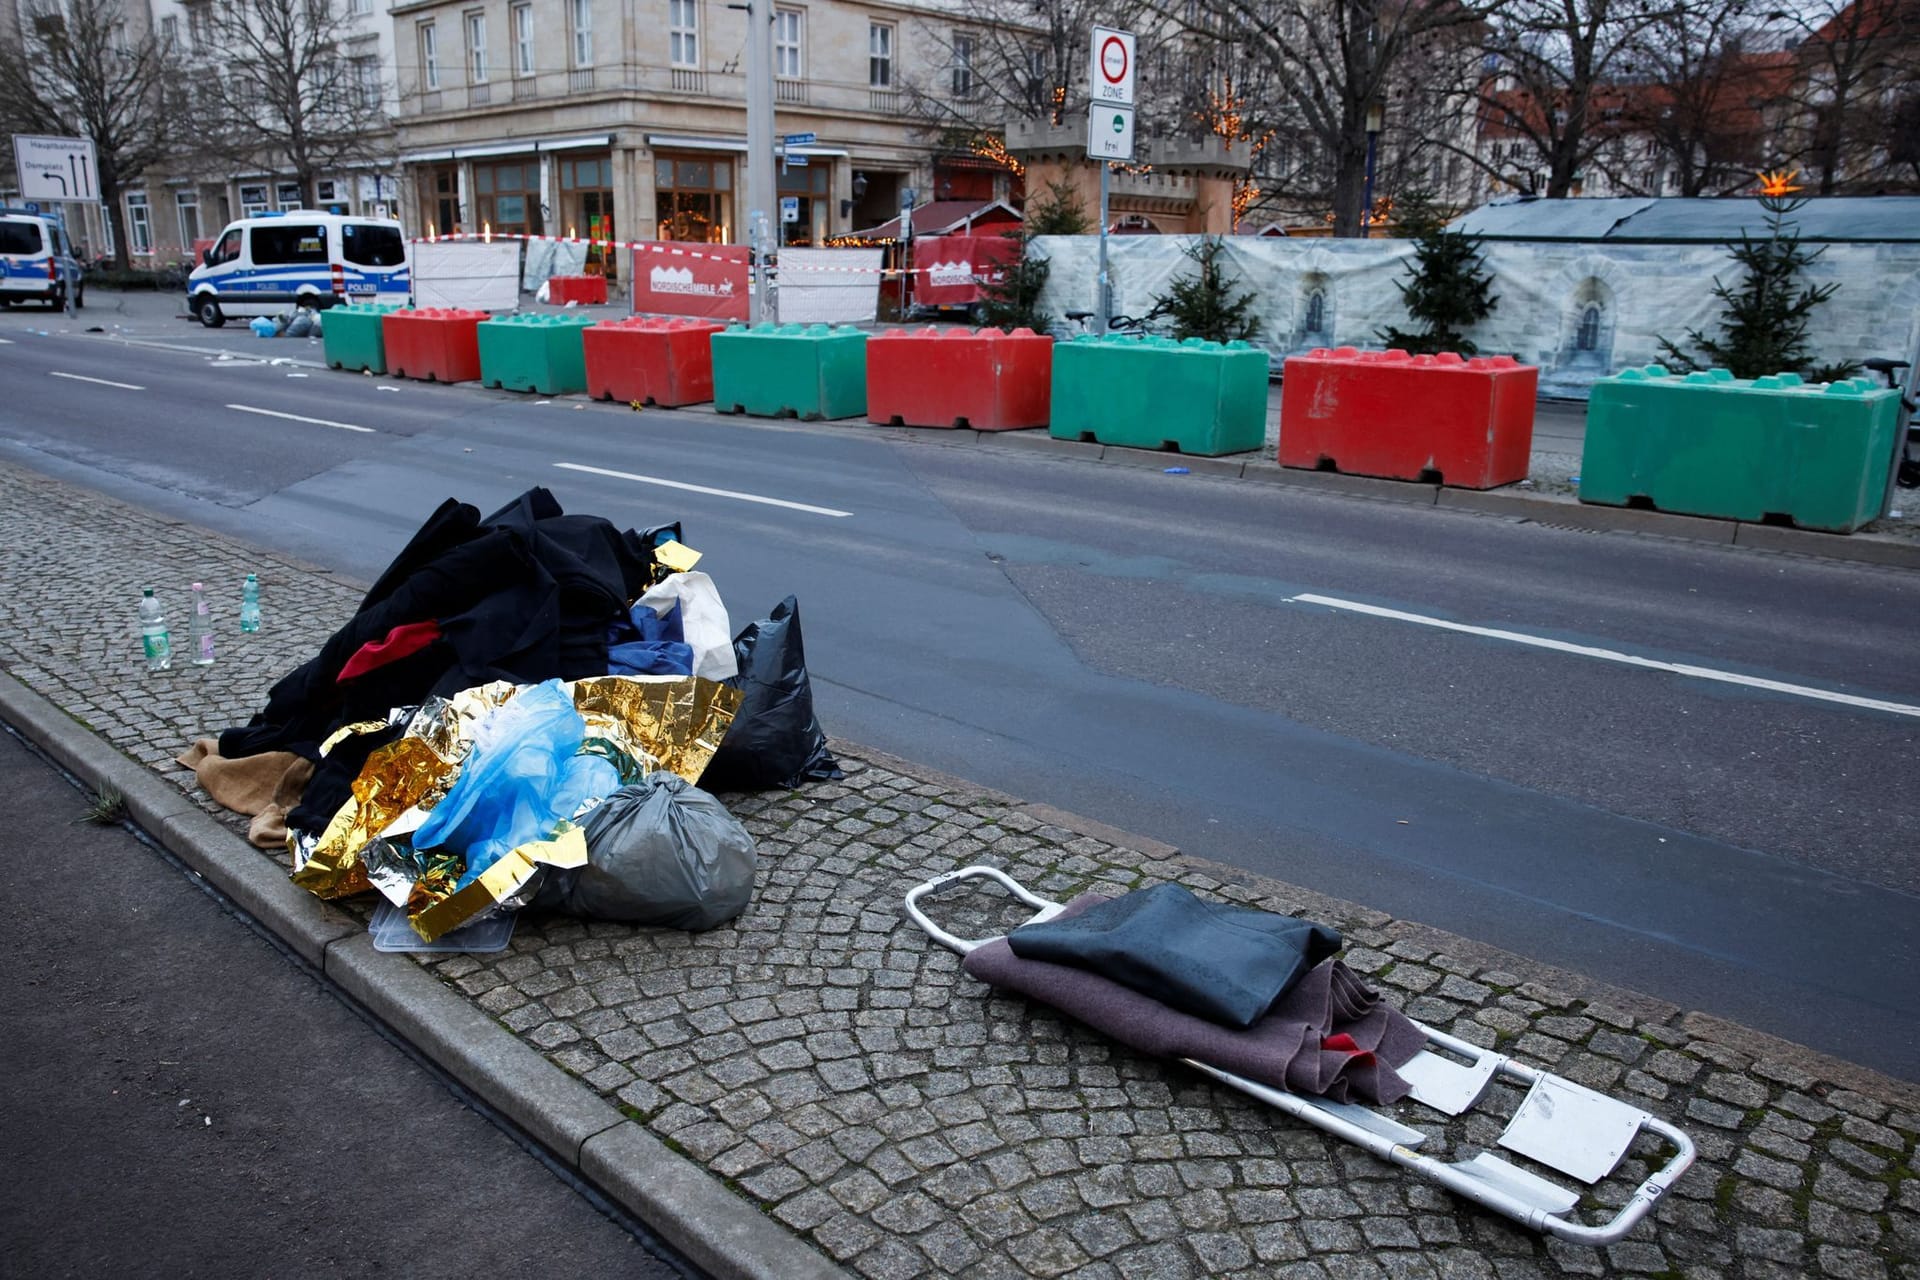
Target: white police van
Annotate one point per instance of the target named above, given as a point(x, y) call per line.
point(37, 264)
point(262, 265)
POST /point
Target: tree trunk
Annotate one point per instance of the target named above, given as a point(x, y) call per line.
point(1350, 184)
point(116, 217)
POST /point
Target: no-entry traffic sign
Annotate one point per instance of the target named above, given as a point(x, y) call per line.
point(1111, 83)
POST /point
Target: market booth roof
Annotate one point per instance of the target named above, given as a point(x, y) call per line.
point(949, 217)
point(1682, 220)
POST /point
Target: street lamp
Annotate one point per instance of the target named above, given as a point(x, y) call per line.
point(1376, 116)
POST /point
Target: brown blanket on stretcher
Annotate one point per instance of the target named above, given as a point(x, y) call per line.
point(1330, 1035)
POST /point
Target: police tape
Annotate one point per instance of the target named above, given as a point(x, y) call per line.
point(648, 246)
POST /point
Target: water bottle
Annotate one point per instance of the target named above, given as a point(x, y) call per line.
point(202, 628)
point(250, 604)
point(153, 633)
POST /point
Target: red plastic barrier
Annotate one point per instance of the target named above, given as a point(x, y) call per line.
point(985, 379)
point(437, 344)
point(651, 359)
point(586, 290)
point(1468, 423)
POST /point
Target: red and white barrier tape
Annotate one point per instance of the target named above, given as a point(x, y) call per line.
point(640, 246)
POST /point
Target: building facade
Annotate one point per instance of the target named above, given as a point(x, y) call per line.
point(609, 120)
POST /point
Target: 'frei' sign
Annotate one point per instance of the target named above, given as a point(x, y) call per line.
point(1109, 132)
point(1111, 83)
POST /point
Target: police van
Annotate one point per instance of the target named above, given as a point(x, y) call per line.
point(264, 264)
point(37, 264)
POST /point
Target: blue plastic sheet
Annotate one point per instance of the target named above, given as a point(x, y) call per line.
point(649, 644)
point(523, 775)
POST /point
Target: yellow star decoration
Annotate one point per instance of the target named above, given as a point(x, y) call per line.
point(1778, 182)
point(636, 405)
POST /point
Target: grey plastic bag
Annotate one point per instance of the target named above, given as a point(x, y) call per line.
point(659, 852)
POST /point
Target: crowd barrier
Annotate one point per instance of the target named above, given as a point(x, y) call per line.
point(434, 344)
point(651, 360)
point(806, 371)
point(1467, 423)
point(533, 352)
point(1199, 397)
point(1710, 444)
point(986, 379)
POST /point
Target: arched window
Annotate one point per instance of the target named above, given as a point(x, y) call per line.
point(1317, 311)
point(1588, 336)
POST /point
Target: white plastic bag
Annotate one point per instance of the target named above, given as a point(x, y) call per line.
point(703, 621)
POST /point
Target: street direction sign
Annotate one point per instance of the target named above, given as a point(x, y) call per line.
point(1109, 132)
point(799, 139)
point(1111, 82)
point(55, 168)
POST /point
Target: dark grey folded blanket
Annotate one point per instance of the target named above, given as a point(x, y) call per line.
point(1221, 962)
point(1288, 1048)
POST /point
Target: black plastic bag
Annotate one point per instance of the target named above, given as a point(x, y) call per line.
point(774, 740)
point(659, 852)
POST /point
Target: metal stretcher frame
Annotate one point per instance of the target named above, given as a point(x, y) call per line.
point(1563, 1125)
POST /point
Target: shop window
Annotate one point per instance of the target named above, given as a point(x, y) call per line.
point(694, 199)
point(507, 197)
point(253, 199)
point(586, 207)
point(287, 195)
point(440, 199)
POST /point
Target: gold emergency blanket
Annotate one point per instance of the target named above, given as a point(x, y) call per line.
point(639, 723)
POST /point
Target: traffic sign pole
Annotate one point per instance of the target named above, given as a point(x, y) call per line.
point(1109, 136)
point(1103, 302)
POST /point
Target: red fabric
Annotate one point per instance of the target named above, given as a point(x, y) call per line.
point(408, 638)
point(1342, 1042)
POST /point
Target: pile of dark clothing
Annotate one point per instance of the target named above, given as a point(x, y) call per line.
point(1251, 992)
point(523, 597)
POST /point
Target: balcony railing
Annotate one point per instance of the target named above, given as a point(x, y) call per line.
point(525, 88)
point(789, 90)
point(646, 80)
point(887, 100)
point(581, 80)
point(479, 94)
point(687, 80)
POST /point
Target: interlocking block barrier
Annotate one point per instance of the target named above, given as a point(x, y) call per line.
point(533, 352)
point(1709, 444)
point(1444, 419)
point(651, 360)
point(588, 291)
point(806, 371)
point(1199, 397)
point(986, 379)
point(435, 344)
point(351, 336)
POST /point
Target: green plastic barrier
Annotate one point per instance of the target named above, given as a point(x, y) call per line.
point(534, 352)
point(1199, 397)
point(350, 336)
point(808, 371)
point(1710, 444)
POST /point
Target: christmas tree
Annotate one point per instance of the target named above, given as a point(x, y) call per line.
point(1449, 289)
point(1013, 301)
point(1203, 305)
point(1764, 318)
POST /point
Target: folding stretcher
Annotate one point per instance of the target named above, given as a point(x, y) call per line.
point(1559, 1124)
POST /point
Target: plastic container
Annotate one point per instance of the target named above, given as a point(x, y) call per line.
point(250, 604)
point(202, 628)
point(154, 641)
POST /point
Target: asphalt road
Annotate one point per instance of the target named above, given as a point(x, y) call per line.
point(183, 1101)
point(1134, 646)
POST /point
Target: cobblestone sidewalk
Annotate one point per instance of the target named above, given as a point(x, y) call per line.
point(838, 1070)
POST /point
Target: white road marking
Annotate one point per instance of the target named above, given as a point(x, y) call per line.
point(1614, 655)
point(294, 417)
point(700, 488)
point(6, 342)
point(105, 382)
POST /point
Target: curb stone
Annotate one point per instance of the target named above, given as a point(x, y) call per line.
point(721, 1232)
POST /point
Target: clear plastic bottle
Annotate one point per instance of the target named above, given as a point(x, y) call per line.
point(250, 604)
point(202, 628)
point(154, 641)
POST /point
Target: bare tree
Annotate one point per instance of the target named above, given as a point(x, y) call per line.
point(1848, 53)
point(1552, 86)
point(284, 91)
point(1008, 60)
point(1330, 61)
point(75, 70)
point(1707, 94)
